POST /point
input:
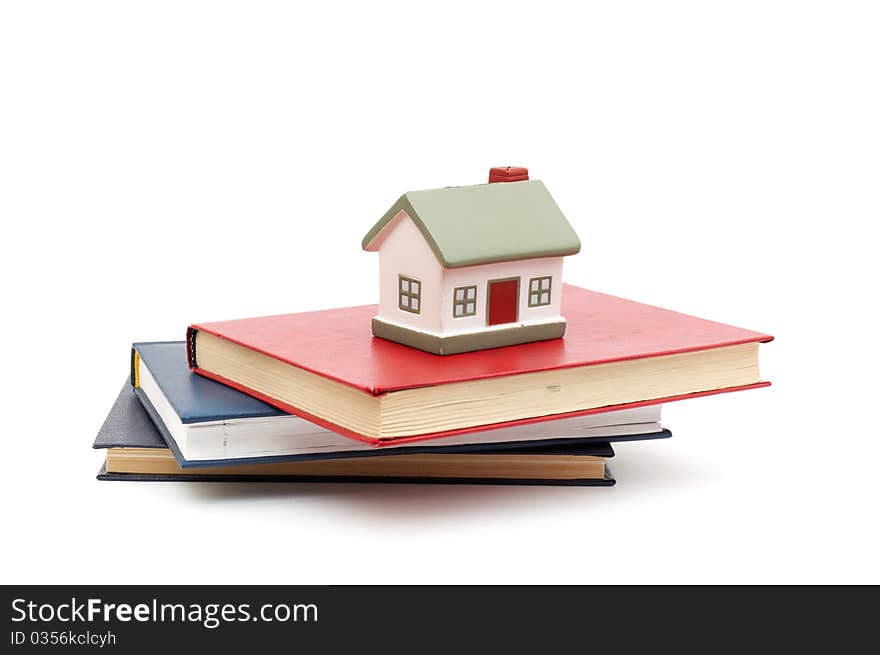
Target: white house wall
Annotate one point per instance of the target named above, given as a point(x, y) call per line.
point(480, 276)
point(404, 251)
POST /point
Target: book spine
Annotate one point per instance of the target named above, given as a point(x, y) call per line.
point(191, 347)
point(135, 367)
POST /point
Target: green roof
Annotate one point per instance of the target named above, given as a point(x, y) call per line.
point(487, 223)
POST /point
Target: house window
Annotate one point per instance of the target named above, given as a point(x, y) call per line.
point(464, 302)
point(539, 291)
point(410, 294)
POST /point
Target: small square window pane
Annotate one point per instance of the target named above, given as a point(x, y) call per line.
point(414, 303)
point(459, 310)
point(471, 309)
point(535, 283)
point(545, 283)
point(404, 301)
point(404, 285)
point(472, 293)
point(414, 288)
point(545, 298)
point(459, 294)
point(533, 298)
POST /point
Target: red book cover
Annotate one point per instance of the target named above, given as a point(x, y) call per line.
point(338, 344)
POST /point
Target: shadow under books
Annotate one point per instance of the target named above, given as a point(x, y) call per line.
point(638, 472)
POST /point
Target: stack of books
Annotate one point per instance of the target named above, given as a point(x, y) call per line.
point(316, 397)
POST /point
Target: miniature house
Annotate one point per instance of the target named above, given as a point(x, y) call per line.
point(473, 267)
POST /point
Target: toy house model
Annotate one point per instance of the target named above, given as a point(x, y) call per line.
point(473, 267)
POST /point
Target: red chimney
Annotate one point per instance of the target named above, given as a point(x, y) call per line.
point(508, 174)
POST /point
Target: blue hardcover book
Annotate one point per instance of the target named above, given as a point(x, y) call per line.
point(206, 423)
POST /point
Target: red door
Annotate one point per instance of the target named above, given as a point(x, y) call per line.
point(503, 300)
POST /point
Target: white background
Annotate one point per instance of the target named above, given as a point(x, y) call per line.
point(164, 163)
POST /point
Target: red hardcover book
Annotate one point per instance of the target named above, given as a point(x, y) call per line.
point(338, 347)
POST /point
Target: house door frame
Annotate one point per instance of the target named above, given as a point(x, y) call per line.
point(489, 284)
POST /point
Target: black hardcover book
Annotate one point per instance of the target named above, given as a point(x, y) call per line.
point(132, 440)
